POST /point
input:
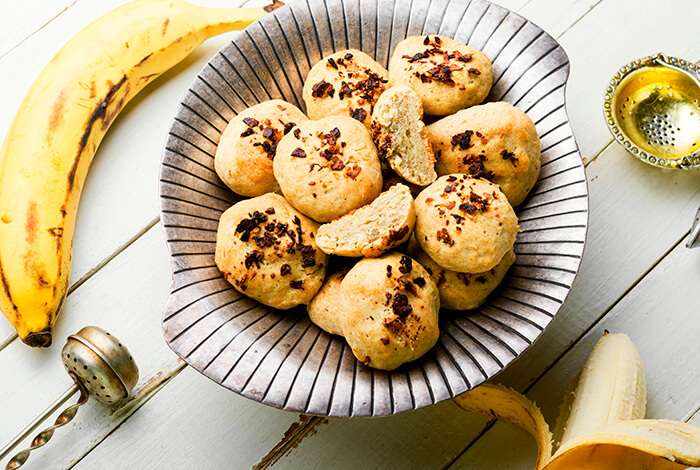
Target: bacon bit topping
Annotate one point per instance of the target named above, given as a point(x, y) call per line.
point(441, 278)
point(247, 132)
point(348, 56)
point(463, 140)
point(358, 113)
point(419, 281)
point(458, 218)
point(344, 91)
point(385, 340)
point(388, 298)
point(481, 279)
point(269, 133)
point(477, 203)
point(444, 236)
point(416, 57)
point(400, 305)
point(266, 240)
point(253, 258)
point(332, 137)
point(270, 210)
point(288, 127)
point(464, 278)
point(428, 200)
point(474, 71)
point(475, 166)
point(396, 235)
point(285, 269)
point(337, 163)
point(406, 265)
point(354, 171)
point(509, 156)
point(297, 132)
point(462, 57)
point(451, 178)
point(308, 255)
point(322, 89)
point(299, 153)
point(246, 226)
point(451, 187)
point(426, 41)
point(385, 147)
point(388, 272)
point(250, 122)
point(332, 63)
point(296, 284)
point(451, 205)
point(407, 285)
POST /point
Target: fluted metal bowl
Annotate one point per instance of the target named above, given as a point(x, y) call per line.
point(279, 357)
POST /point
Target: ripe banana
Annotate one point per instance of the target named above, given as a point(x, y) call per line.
point(53, 138)
point(600, 426)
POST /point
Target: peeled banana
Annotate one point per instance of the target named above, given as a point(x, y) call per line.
point(53, 138)
point(601, 425)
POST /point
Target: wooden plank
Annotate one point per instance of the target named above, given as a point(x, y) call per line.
point(26, 18)
point(120, 197)
point(658, 315)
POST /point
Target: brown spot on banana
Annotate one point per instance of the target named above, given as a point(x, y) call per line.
point(93, 89)
point(57, 112)
point(32, 222)
point(165, 25)
point(6, 288)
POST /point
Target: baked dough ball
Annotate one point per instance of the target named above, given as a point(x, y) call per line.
point(373, 229)
point(401, 137)
point(394, 314)
point(247, 146)
point(462, 291)
point(446, 74)
point(345, 83)
point(465, 224)
point(266, 249)
point(326, 308)
point(496, 141)
point(329, 167)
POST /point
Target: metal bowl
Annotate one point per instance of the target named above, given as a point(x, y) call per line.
point(652, 107)
point(279, 357)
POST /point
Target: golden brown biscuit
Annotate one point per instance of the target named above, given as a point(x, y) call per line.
point(247, 146)
point(266, 249)
point(465, 224)
point(401, 137)
point(329, 167)
point(446, 74)
point(327, 307)
point(495, 141)
point(345, 83)
point(462, 291)
point(394, 314)
point(373, 229)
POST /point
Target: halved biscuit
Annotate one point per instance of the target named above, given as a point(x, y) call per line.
point(401, 136)
point(326, 308)
point(373, 229)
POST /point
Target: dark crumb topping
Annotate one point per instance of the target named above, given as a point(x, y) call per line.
point(296, 284)
point(385, 147)
point(247, 132)
point(359, 114)
point(441, 278)
point(463, 140)
point(509, 156)
point(464, 278)
point(308, 256)
point(344, 91)
point(354, 171)
point(396, 235)
point(474, 71)
point(475, 166)
point(451, 178)
point(270, 210)
point(388, 272)
point(269, 133)
point(385, 340)
point(348, 56)
point(481, 279)
point(444, 236)
point(250, 122)
point(406, 265)
point(337, 163)
point(388, 298)
point(332, 63)
point(285, 269)
point(476, 203)
point(400, 305)
point(297, 133)
point(245, 226)
point(419, 281)
point(451, 187)
point(322, 89)
point(299, 153)
point(288, 127)
point(253, 258)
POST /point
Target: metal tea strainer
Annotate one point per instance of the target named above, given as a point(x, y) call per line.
point(101, 367)
point(652, 107)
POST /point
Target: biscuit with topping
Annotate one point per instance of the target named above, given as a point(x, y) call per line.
point(329, 167)
point(394, 314)
point(248, 146)
point(266, 249)
point(345, 83)
point(496, 141)
point(465, 224)
point(446, 74)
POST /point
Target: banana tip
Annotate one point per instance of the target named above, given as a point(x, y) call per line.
point(38, 339)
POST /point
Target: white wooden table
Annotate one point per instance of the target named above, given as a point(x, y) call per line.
point(637, 277)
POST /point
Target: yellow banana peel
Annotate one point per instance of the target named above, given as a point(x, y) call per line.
point(51, 142)
point(600, 426)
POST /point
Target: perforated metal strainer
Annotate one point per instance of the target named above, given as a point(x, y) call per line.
point(652, 107)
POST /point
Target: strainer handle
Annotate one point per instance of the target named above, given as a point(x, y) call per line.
point(45, 436)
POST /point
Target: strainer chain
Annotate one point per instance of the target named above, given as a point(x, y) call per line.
point(45, 436)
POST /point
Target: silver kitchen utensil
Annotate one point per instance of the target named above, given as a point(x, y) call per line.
point(652, 107)
point(280, 358)
point(101, 367)
point(694, 237)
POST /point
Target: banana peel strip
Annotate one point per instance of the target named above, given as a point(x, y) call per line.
point(627, 445)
